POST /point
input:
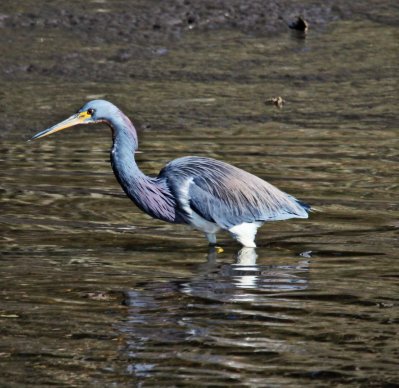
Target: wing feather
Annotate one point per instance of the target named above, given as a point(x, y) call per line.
point(227, 195)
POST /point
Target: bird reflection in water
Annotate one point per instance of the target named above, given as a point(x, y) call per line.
point(166, 315)
point(228, 282)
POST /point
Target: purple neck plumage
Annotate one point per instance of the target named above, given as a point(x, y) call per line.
point(150, 194)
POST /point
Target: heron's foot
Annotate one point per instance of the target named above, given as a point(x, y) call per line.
point(216, 248)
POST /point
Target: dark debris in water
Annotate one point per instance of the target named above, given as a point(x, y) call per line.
point(276, 101)
point(383, 305)
point(101, 295)
point(300, 24)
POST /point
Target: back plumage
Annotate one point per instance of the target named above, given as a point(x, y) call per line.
point(228, 196)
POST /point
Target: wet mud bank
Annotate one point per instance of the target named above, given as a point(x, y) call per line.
point(143, 29)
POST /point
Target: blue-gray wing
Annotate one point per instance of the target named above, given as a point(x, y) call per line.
point(227, 195)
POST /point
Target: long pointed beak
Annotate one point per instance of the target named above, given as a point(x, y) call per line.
point(78, 118)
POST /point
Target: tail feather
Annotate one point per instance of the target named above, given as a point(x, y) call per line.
point(304, 205)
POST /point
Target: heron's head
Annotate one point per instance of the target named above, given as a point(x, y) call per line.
point(96, 111)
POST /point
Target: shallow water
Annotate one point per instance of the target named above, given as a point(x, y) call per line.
point(96, 293)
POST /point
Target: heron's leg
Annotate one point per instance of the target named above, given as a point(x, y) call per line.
point(211, 238)
point(246, 256)
point(245, 233)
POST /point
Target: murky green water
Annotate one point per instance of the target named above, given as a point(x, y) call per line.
point(95, 293)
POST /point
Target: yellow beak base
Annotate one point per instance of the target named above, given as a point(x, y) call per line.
point(78, 118)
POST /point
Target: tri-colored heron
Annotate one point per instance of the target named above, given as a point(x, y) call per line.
point(205, 193)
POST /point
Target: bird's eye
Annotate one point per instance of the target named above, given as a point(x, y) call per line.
point(90, 111)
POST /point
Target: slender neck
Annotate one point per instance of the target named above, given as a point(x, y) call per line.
point(123, 131)
point(150, 194)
